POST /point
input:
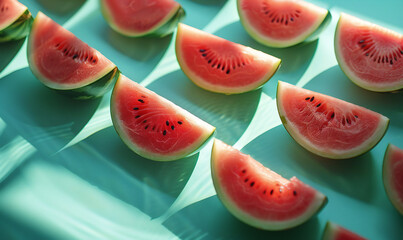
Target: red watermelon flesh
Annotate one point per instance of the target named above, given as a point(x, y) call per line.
point(10, 11)
point(336, 232)
point(139, 17)
point(328, 126)
point(370, 55)
point(393, 176)
point(154, 127)
point(60, 60)
point(280, 23)
point(219, 65)
point(257, 195)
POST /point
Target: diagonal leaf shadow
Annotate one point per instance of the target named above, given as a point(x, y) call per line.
point(42, 116)
point(61, 7)
point(8, 51)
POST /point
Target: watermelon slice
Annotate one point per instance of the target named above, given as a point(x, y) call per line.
point(219, 65)
point(336, 232)
point(258, 196)
point(283, 23)
point(154, 127)
point(393, 176)
point(371, 56)
point(142, 17)
point(15, 20)
point(63, 62)
point(328, 126)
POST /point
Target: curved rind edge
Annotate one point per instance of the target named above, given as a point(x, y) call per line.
point(146, 154)
point(350, 75)
point(18, 29)
point(164, 28)
point(313, 35)
point(386, 179)
point(376, 137)
point(320, 202)
point(220, 89)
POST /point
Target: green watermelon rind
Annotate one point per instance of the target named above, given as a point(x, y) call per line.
point(386, 176)
point(310, 35)
point(350, 74)
point(317, 205)
point(92, 87)
point(217, 88)
point(18, 29)
point(362, 149)
point(164, 28)
point(189, 151)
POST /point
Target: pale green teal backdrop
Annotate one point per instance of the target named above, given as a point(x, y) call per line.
point(65, 174)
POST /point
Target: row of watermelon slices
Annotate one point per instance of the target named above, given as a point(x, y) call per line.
point(160, 130)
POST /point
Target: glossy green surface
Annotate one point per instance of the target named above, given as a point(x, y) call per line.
point(65, 173)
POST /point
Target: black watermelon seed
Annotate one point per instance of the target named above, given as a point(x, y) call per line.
point(401, 51)
point(319, 105)
point(137, 116)
point(361, 41)
point(167, 123)
point(202, 50)
point(307, 98)
point(252, 183)
point(144, 121)
point(136, 108)
point(292, 19)
point(204, 54)
point(75, 56)
point(209, 61)
point(355, 116)
point(295, 193)
point(312, 99)
point(264, 192)
point(332, 115)
point(246, 179)
point(348, 120)
point(164, 132)
point(227, 71)
point(367, 54)
point(179, 122)
point(153, 128)
point(146, 127)
point(271, 192)
point(141, 100)
point(244, 171)
point(172, 127)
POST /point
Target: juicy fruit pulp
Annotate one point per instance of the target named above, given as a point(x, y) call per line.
point(393, 176)
point(219, 65)
point(371, 56)
point(62, 61)
point(336, 232)
point(154, 127)
point(137, 18)
point(282, 23)
point(258, 196)
point(15, 20)
point(328, 126)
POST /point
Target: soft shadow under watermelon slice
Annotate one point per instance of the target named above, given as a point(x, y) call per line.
point(328, 126)
point(63, 62)
point(258, 196)
point(370, 55)
point(219, 65)
point(154, 127)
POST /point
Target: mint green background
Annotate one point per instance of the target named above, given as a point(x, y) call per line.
point(65, 174)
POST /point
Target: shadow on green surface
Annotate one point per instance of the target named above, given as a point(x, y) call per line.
point(230, 114)
point(61, 7)
point(140, 48)
point(47, 119)
point(196, 222)
point(335, 83)
point(8, 51)
point(168, 178)
point(199, 13)
point(294, 60)
point(352, 177)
